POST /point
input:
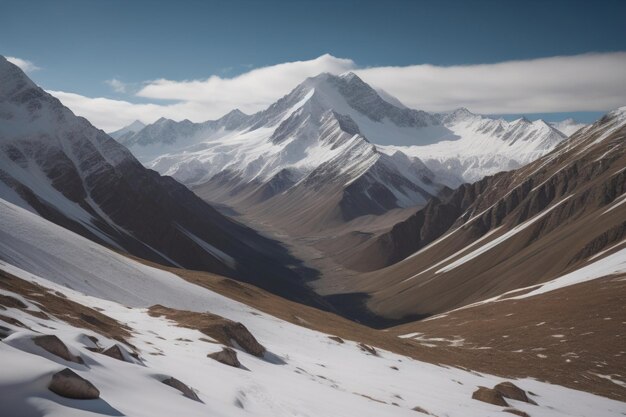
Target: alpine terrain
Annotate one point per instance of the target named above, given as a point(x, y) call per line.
point(334, 254)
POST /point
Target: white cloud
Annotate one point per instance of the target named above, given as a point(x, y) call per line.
point(109, 115)
point(24, 65)
point(251, 91)
point(117, 85)
point(589, 82)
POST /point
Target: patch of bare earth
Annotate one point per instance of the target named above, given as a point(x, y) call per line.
point(574, 336)
point(57, 305)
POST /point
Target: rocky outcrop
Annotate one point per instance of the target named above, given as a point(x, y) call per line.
point(368, 349)
point(227, 356)
point(489, 395)
point(68, 384)
point(117, 352)
point(509, 390)
point(225, 331)
point(54, 345)
point(184, 389)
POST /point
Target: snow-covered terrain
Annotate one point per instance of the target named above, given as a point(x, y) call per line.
point(299, 133)
point(304, 372)
point(479, 146)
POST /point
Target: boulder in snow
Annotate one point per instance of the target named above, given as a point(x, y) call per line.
point(68, 384)
point(187, 392)
point(54, 345)
point(369, 349)
point(117, 352)
point(489, 395)
point(509, 390)
point(227, 356)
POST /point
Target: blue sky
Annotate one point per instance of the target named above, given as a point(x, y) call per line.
point(78, 45)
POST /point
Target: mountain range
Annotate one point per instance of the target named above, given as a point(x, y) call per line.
point(338, 136)
point(337, 253)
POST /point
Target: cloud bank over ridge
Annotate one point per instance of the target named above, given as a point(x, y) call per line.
point(588, 82)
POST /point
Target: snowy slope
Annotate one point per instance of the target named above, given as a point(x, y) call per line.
point(305, 373)
point(479, 146)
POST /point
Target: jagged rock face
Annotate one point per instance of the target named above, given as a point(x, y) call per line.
point(60, 166)
point(507, 231)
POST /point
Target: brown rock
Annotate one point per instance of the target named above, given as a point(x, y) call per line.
point(336, 339)
point(227, 356)
point(54, 345)
point(68, 384)
point(187, 392)
point(516, 412)
point(225, 331)
point(368, 349)
point(238, 333)
point(421, 410)
point(490, 396)
point(115, 352)
point(8, 301)
point(509, 390)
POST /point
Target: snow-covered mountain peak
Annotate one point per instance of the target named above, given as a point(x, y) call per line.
point(127, 131)
point(136, 126)
point(458, 115)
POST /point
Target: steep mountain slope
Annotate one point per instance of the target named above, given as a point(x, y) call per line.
point(504, 232)
point(61, 167)
point(166, 329)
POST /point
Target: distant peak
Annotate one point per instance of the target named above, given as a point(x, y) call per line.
point(235, 112)
point(542, 122)
point(137, 124)
point(348, 75)
point(462, 111)
point(521, 120)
